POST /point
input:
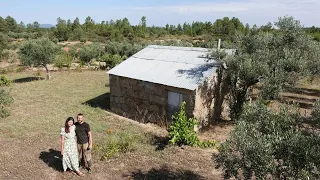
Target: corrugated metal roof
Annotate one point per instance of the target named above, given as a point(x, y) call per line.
point(182, 67)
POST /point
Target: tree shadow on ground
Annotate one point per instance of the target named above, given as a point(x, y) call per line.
point(53, 159)
point(217, 123)
point(304, 91)
point(161, 142)
point(102, 101)
point(164, 173)
point(27, 79)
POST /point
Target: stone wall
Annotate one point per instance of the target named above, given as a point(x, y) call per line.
point(212, 100)
point(205, 100)
point(144, 101)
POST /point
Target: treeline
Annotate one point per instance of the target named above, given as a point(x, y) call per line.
point(122, 29)
point(315, 32)
point(118, 30)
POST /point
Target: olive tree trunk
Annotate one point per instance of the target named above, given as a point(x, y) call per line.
point(47, 71)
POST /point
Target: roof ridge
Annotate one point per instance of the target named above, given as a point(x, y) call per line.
point(150, 59)
point(182, 48)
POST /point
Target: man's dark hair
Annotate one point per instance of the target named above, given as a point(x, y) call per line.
point(80, 114)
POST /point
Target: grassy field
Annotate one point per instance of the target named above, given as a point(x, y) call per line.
point(30, 136)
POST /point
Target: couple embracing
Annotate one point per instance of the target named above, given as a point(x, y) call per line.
point(76, 145)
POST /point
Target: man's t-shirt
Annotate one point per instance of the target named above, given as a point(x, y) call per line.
point(82, 132)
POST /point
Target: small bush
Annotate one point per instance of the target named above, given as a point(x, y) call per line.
point(118, 143)
point(19, 69)
point(112, 60)
point(182, 131)
point(10, 56)
point(63, 60)
point(315, 114)
point(5, 100)
point(55, 40)
point(4, 81)
point(13, 46)
point(83, 40)
point(4, 112)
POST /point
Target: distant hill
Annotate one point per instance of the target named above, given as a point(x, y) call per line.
point(47, 25)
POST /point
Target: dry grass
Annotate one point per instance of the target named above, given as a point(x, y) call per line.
point(309, 83)
point(30, 137)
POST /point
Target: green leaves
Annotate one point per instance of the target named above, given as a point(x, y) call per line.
point(63, 60)
point(273, 59)
point(5, 97)
point(182, 131)
point(3, 43)
point(38, 52)
point(265, 143)
point(118, 143)
point(4, 81)
point(87, 53)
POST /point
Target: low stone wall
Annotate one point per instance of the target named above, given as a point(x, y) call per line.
point(144, 101)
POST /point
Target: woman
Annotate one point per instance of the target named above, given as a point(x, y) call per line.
point(69, 147)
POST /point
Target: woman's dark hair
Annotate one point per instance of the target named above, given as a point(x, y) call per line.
point(66, 127)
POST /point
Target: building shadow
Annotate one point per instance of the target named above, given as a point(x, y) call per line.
point(102, 101)
point(52, 158)
point(164, 173)
point(27, 79)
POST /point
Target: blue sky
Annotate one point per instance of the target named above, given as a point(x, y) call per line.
point(161, 12)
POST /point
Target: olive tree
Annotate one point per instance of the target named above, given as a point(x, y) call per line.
point(87, 53)
point(266, 143)
point(272, 59)
point(37, 52)
point(278, 145)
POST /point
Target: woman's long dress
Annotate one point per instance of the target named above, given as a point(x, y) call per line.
point(70, 156)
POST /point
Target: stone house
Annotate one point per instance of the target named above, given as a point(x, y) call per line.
point(151, 85)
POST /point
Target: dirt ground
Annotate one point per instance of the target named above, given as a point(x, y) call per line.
point(29, 138)
point(39, 157)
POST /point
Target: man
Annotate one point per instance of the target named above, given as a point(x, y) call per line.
point(84, 140)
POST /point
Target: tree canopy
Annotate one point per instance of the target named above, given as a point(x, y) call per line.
point(272, 59)
point(38, 52)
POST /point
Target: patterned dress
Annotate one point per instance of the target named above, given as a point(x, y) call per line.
point(70, 156)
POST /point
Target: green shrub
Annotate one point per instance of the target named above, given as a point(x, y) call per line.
point(13, 46)
point(112, 60)
point(55, 40)
point(19, 69)
point(83, 40)
point(5, 100)
point(181, 132)
point(268, 143)
point(315, 114)
point(63, 60)
point(118, 143)
point(4, 81)
point(4, 112)
point(10, 56)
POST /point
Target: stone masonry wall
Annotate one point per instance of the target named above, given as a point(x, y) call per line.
point(144, 101)
point(204, 103)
